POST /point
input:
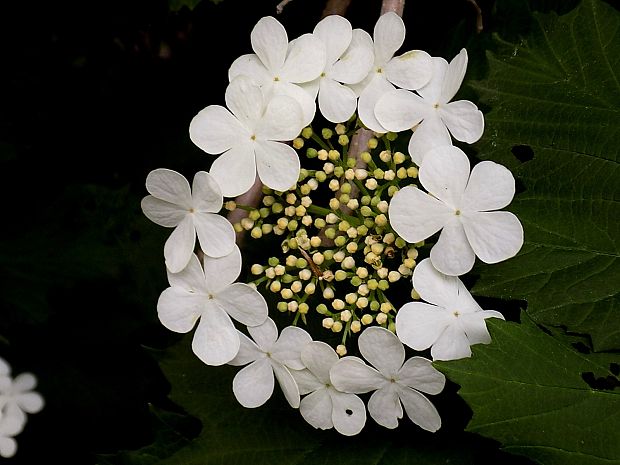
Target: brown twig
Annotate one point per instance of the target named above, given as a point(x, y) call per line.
point(397, 6)
point(478, 15)
point(280, 6)
point(335, 7)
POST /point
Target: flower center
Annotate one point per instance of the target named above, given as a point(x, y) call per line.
point(211, 296)
point(323, 75)
point(191, 210)
point(379, 70)
point(276, 79)
point(457, 212)
point(253, 137)
point(436, 106)
point(456, 313)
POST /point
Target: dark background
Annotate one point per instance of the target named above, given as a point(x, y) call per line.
point(94, 95)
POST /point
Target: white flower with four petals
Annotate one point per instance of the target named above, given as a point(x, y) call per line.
point(267, 355)
point(450, 323)
point(190, 211)
point(432, 111)
point(394, 380)
point(248, 136)
point(459, 204)
point(211, 296)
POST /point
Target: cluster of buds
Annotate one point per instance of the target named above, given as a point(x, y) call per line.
point(337, 255)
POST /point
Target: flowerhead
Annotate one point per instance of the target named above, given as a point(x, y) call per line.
point(247, 134)
point(431, 111)
point(190, 211)
point(395, 383)
point(449, 323)
point(210, 297)
point(460, 204)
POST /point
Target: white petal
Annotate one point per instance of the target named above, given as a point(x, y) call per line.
point(475, 327)
point(287, 350)
point(216, 341)
point(30, 402)
point(353, 376)
point(13, 420)
point(277, 165)
point(221, 272)
point(494, 236)
point(454, 76)
point(311, 87)
point(304, 98)
point(178, 310)
point(5, 368)
point(389, 35)
point(419, 409)
point(24, 382)
point(384, 407)
point(248, 351)
point(265, 334)
point(244, 99)
point(419, 373)
point(369, 97)
point(250, 65)
point(305, 59)
point(306, 381)
point(283, 119)
point(244, 303)
point(179, 247)
point(253, 385)
point(415, 215)
point(319, 357)
point(431, 92)
point(270, 42)
point(399, 110)
point(464, 120)
point(337, 102)
point(382, 349)
point(235, 170)
point(491, 186)
point(348, 413)
point(410, 70)
point(216, 234)
point(169, 186)
point(8, 447)
point(444, 174)
point(191, 278)
point(451, 345)
point(418, 325)
point(356, 62)
point(287, 384)
point(161, 212)
point(336, 33)
point(316, 408)
point(452, 254)
point(429, 134)
point(435, 287)
point(215, 130)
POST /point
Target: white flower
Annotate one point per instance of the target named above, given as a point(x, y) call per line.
point(400, 109)
point(247, 137)
point(326, 407)
point(350, 57)
point(410, 70)
point(278, 67)
point(450, 323)
point(459, 204)
point(189, 211)
point(269, 355)
point(393, 381)
point(18, 395)
point(211, 296)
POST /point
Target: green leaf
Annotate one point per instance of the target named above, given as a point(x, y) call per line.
point(556, 96)
point(526, 390)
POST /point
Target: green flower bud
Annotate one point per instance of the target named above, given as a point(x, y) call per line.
point(282, 306)
point(391, 136)
point(303, 308)
point(372, 143)
point(392, 190)
point(400, 242)
point(356, 281)
point(384, 285)
point(277, 208)
point(375, 305)
point(343, 140)
point(321, 309)
point(298, 143)
point(340, 275)
point(365, 200)
point(338, 171)
point(320, 176)
point(311, 153)
point(326, 133)
point(306, 132)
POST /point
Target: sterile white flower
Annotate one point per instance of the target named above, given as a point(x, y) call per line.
point(459, 204)
point(432, 111)
point(18, 395)
point(326, 407)
point(449, 323)
point(247, 137)
point(267, 355)
point(410, 70)
point(190, 212)
point(393, 380)
point(212, 296)
point(278, 67)
point(350, 57)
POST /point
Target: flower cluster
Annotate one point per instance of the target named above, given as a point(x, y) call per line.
point(346, 225)
point(17, 398)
